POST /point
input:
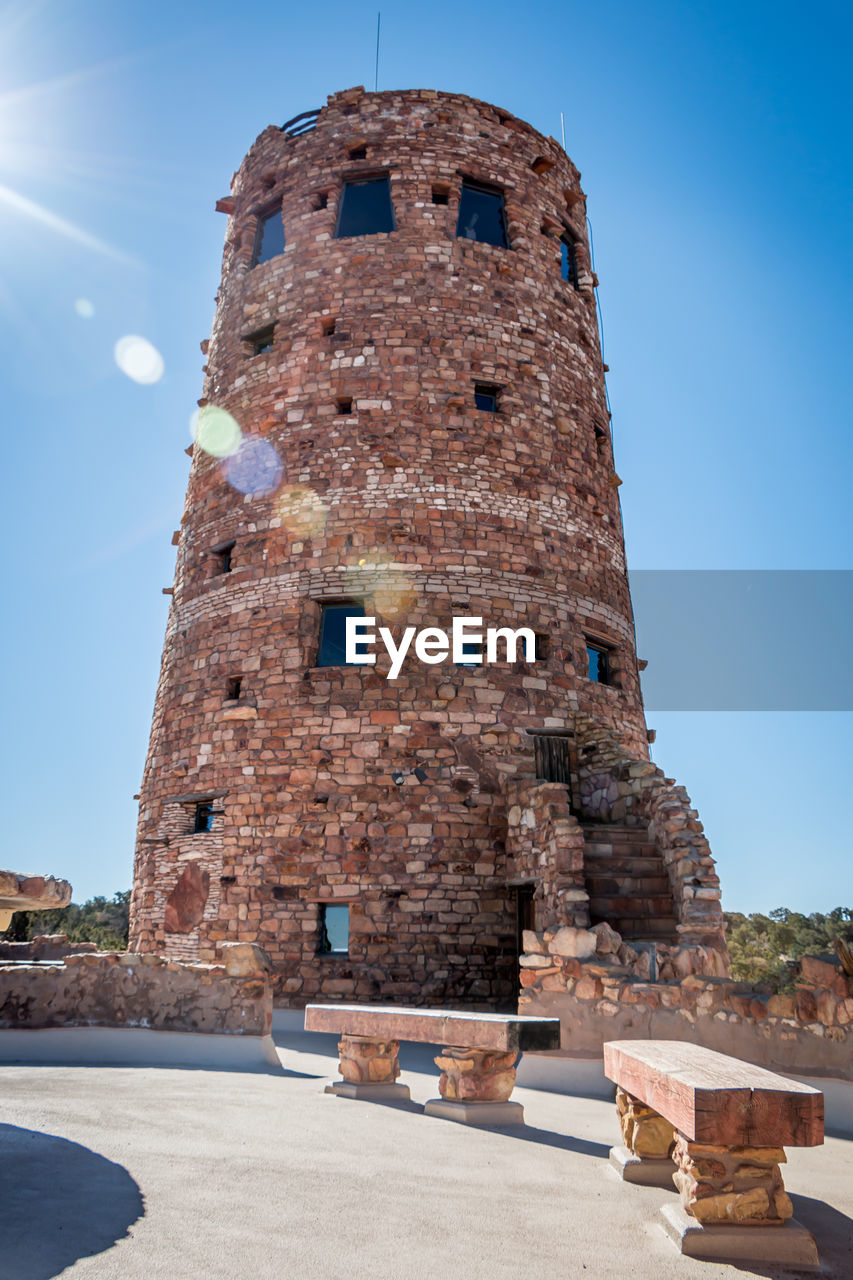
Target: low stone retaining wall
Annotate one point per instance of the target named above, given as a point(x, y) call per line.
point(125, 989)
point(45, 946)
point(807, 1032)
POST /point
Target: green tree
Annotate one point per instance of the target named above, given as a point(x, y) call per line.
point(762, 947)
point(103, 921)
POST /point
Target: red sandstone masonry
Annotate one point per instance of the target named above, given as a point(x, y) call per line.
point(513, 516)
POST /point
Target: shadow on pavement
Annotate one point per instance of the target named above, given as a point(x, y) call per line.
point(59, 1202)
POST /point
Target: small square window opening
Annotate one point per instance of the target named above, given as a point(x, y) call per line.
point(320, 200)
point(334, 930)
point(598, 663)
point(440, 195)
point(486, 397)
point(344, 404)
point(332, 647)
point(261, 340)
point(482, 215)
point(224, 557)
point(328, 326)
point(365, 208)
point(203, 819)
point(232, 688)
point(358, 153)
point(269, 237)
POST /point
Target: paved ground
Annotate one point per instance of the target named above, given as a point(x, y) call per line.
point(211, 1175)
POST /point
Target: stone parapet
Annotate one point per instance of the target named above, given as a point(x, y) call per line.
point(125, 989)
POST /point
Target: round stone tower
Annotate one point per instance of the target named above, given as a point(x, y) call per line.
point(404, 417)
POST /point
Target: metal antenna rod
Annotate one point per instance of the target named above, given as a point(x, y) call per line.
point(376, 77)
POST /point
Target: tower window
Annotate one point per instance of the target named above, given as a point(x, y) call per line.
point(358, 153)
point(261, 340)
point(332, 648)
point(203, 820)
point(319, 200)
point(365, 208)
point(482, 215)
point(600, 442)
point(552, 760)
point(269, 237)
point(224, 557)
point(568, 261)
point(334, 930)
point(440, 194)
point(328, 325)
point(232, 688)
point(343, 404)
point(598, 663)
point(486, 397)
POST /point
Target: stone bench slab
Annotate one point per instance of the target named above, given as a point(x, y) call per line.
point(712, 1098)
point(493, 1031)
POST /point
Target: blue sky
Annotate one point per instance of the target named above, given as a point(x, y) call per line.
point(714, 141)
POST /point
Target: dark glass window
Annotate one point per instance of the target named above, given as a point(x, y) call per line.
point(203, 816)
point(332, 649)
point(472, 654)
point(568, 261)
point(486, 397)
point(482, 216)
point(269, 237)
point(598, 663)
point(334, 930)
point(365, 208)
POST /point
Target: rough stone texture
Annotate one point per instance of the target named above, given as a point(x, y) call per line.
point(20, 891)
point(123, 989)
point(645, 1133)
point(603, 999)
point(45, 946)
point(731, 1184)
point(475, 1075)
point(425, 508)
point(366, 1061)
point(185, 904)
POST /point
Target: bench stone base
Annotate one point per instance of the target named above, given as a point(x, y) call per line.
point(789, 1245)
point(369, 1092)
point(495, 1115)
point(644, 1172)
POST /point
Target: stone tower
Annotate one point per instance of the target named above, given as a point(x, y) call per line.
point(404, 415)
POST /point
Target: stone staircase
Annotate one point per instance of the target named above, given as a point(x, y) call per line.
point(627, 883)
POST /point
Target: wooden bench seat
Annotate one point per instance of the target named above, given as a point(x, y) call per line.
point(477, 1066)
point(724, 1123)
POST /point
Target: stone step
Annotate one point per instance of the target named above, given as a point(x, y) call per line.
point(642, 928)
point(606, 886)
point(628, 905)
point(601, 866)
point(603, 831)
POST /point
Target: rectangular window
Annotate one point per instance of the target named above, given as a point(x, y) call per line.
point(261, 340)
point(203, 820)
point(440, 194)
point(269, 237)
point(224, 555)
point(332, 647)
point(568, 261)
point(365, 208)
point(482, 215)
point(486, 397)
point(598, 662)
point(334, 930)
point(232, 688)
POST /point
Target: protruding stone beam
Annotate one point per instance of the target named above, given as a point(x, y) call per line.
point(369, 1068)
point(30, 893)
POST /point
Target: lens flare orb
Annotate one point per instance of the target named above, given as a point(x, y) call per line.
point(255, 468)
point(215, 431)
point(139, 359)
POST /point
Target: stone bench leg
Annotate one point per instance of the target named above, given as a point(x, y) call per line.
point(646, 1157)
point(734, 1206)
point(369, 1069)
point(475, 1087)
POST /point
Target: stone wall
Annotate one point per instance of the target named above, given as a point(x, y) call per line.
point(45, 946)
point(125, 989)
point(597, 998)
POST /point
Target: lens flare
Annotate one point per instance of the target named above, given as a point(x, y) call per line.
point(390, 585)
point(255, 468)
point(139, 359)
point(214, 430)
point(84, 308)
point(303, 513)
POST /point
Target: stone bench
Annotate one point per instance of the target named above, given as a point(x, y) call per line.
point(724, 1123)
point(477, 1065)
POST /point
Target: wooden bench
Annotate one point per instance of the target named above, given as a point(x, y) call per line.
point(477, 1065)
point(724, 1123)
